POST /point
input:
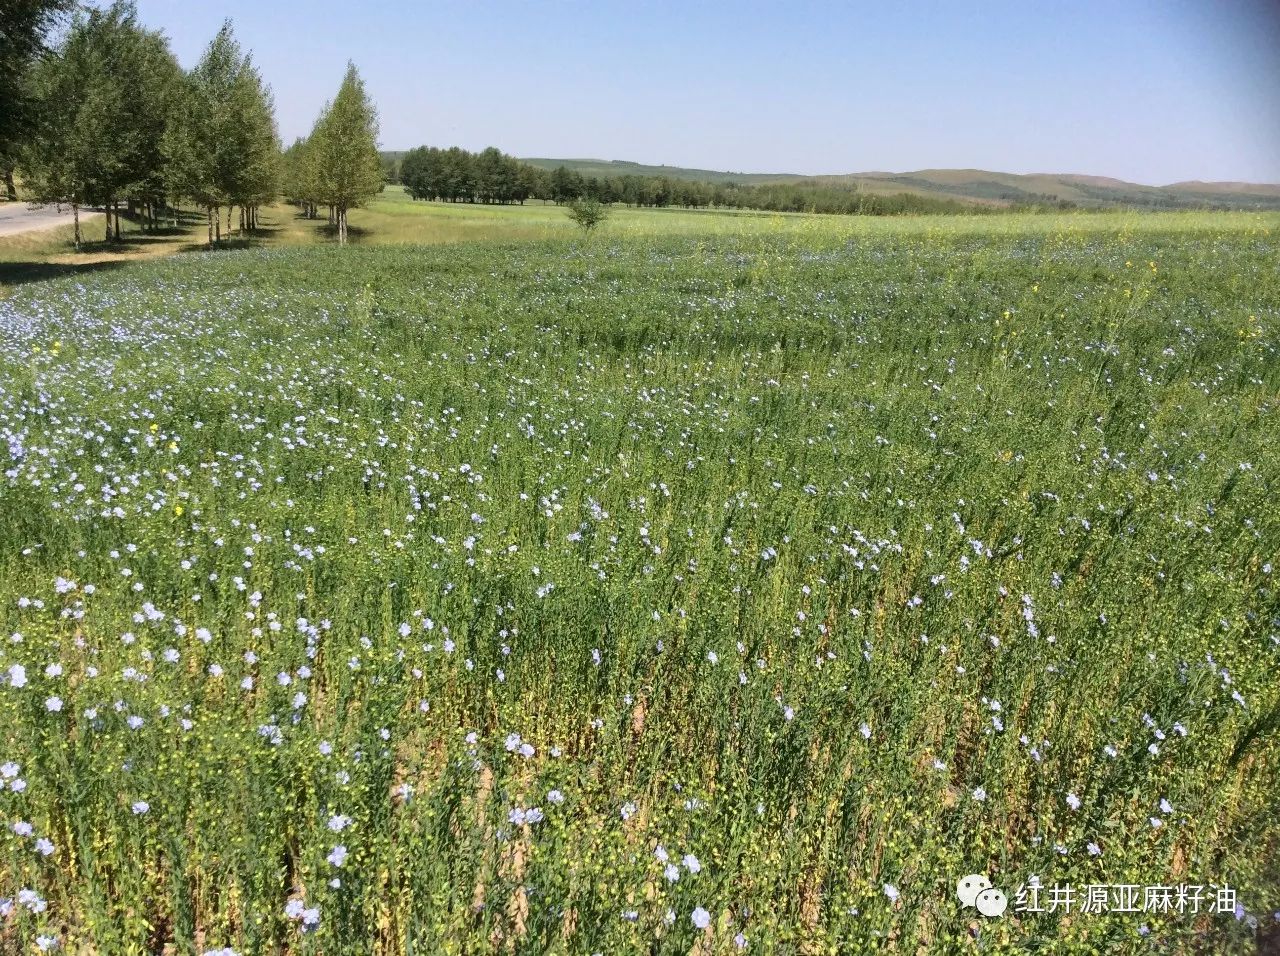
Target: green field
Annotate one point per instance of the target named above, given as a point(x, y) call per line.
point(713, 583)
point(391, 218)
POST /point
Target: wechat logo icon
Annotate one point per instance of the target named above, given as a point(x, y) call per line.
point(976, 890)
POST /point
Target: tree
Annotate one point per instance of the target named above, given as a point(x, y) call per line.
point(345, 141)
point(533, 182)
point(299, 177)
point(222, 142)
point(587, 213)
point(153, 81)
point(390, 169)
point(258, 181)
point(489, 174)
point(24, 25)
point(566, 184)
point(415, 173)
point(102, 104)
point(457, 175)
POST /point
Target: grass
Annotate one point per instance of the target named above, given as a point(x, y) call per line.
point(392, 218)
point(767, 573)
point(395, 219)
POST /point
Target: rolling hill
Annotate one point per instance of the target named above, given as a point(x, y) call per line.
point(975, 185)
point(619, 167)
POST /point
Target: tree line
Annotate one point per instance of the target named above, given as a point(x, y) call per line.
point(106, 117)
point(491, 176)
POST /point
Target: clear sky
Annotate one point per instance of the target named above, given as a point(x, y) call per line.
point(1152, 91)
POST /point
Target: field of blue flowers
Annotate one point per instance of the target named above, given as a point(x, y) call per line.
point(679, 595)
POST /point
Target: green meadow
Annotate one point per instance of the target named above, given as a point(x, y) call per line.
point(711, 583)
point(393, 218)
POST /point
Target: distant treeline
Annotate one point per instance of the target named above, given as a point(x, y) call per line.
point(491, 176)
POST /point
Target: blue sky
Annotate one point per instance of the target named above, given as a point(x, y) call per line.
point(1152, 92)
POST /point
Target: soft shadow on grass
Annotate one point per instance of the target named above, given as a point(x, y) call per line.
point(52, 255)
point(354, 233)
point(262, 236)
point(20, 273)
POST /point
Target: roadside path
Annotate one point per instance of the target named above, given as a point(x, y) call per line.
point(18, 217)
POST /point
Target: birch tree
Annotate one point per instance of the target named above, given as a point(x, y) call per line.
point(344, 147)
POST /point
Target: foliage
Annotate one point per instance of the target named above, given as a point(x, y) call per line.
point(587, 212)
point(344, 150)
point(222, 143)
point(23, 34)
point(456, 175)
point(103, 102)
point(574, 590)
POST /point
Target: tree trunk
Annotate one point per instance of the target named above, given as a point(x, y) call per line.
point(217, 223)
point(75, 215)
point(209, 212)
point(229, 222)
point(115, 208)
point(10, 190)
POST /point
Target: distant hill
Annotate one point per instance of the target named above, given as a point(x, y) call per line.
point(974, 185)
point(620, 167)
point(977, 186)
